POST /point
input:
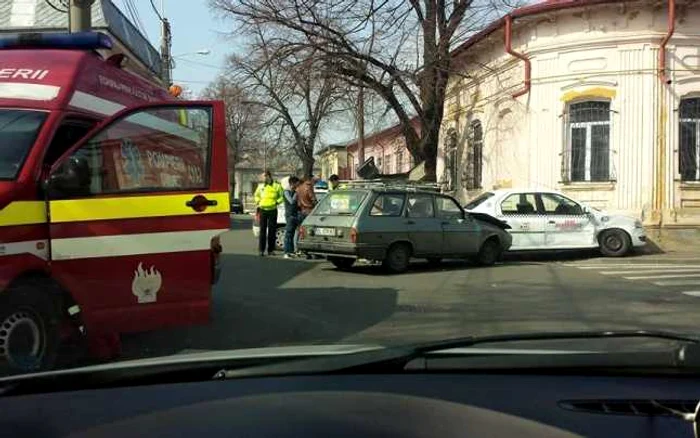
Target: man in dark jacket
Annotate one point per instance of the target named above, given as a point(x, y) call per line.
point(291, 215)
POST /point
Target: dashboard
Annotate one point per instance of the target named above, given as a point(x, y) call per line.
point(364, 405)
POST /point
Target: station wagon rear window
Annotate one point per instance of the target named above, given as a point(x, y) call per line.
point(343, 203)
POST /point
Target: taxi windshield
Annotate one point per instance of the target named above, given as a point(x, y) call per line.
point(478, 200)
point(18, 130)
point(343, 203)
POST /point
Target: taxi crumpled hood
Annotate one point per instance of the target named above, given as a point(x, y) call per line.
point(606, 220)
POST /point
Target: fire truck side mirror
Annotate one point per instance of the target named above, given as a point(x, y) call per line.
point(70, 179)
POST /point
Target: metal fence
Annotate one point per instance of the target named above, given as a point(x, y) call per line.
point(689, 139)
point(587, 152)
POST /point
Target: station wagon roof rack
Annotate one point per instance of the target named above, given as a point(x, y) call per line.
point(384, 184)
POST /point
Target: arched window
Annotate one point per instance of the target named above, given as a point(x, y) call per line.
point(471, 173)
point(587, 150)
point(689, 139)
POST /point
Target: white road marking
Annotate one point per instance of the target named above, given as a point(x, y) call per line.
point(692, 293)
point(677, 283)
point(651, 277)
point(651, 271)
point(631, 266)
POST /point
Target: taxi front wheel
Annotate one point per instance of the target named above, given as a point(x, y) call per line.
point(29, 328)
point(615, 243)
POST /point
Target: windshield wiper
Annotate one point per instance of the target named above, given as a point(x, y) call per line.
point(396, 358)
point(367, 360)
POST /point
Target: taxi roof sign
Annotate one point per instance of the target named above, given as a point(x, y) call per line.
point(54, 40)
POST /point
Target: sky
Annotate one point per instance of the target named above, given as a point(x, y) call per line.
point(194, 28)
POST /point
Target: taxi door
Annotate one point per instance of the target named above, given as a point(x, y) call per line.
point(519, 210)
point(133, 208)
point(568, 226)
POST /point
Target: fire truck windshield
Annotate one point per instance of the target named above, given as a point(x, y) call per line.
point(18, 131)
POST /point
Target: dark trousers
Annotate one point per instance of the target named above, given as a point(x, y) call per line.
point(268, 230)
point(289, 232)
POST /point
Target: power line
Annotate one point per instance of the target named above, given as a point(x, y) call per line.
point(48, 2)
point(201, 64)
point(133, 13)
point(153, 5)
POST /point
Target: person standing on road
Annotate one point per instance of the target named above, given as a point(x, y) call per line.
point(333, 182)
point(291, 214)
point(268, 195)
point(306, 200)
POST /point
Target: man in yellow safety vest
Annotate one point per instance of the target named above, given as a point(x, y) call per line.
point(268, 195)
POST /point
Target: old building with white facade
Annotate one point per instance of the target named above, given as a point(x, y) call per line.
point(598, 99)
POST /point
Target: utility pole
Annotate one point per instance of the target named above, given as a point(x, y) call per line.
point(80, 15)
point(165, 56)
point(361, 126)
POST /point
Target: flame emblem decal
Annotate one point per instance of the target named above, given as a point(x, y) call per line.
point(146, 284)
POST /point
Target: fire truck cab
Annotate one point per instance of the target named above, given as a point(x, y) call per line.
point(112, 197)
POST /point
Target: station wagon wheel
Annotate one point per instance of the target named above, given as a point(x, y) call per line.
point(489, 253)
point(614, 243)
point(397, 258)
point(342, 263)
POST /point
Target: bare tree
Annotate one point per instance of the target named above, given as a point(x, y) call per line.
point(398, 49)
point(298, 93)
point(244, 121)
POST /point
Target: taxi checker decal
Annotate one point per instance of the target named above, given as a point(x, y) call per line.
point(146, 284)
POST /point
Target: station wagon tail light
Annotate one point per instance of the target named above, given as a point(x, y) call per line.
point(302, 232)
point(353, 235)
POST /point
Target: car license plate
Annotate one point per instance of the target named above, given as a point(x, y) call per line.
point(325, 231)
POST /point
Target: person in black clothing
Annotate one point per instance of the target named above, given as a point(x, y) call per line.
point(291, 215)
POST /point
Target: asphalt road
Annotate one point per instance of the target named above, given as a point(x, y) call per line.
point(271, 301)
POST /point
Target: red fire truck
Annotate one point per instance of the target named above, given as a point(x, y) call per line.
point(112, 197)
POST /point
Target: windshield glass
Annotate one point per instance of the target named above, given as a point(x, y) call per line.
point(341, 203)
point(353, 162)
point(478, 200)
point(18, 130)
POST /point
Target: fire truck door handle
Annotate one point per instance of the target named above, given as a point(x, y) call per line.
point(552, 222)
point(200, 202)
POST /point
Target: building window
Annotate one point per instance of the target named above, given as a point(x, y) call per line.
point(399, 162)
point(471, 173)
point(689, 139)
point(587, 151)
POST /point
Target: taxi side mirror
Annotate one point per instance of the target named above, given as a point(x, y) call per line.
point(586, 209)
point(71, 178)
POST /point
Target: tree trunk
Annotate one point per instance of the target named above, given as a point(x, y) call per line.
point(307, 166)
point(232, 177)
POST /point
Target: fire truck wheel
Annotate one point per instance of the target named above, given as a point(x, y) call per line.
point(29, 327)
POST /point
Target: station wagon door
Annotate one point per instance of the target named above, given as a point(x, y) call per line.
point(460, 235)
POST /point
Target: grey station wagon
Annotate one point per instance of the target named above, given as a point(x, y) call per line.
point(393, 225)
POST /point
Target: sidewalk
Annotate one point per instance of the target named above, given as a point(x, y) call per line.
point(684, 241)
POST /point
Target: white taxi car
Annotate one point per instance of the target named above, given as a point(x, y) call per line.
point(542, 219)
